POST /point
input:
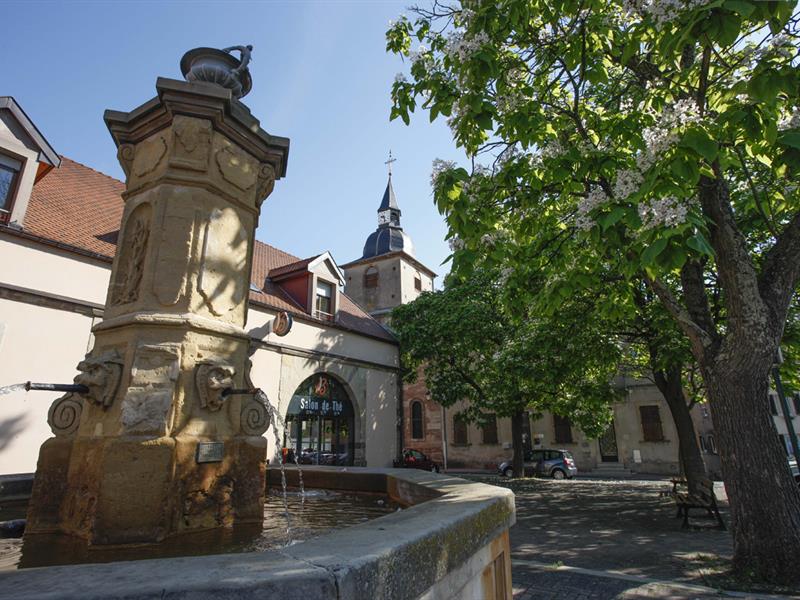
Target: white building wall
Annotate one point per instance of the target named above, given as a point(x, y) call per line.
point(45, 344)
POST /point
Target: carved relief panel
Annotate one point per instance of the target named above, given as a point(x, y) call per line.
point(147, 403)
point(192, 145)
point(130, 266)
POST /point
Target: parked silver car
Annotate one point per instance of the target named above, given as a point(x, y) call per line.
point(557, 464)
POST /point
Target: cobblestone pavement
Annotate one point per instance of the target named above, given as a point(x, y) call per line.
point(625, 527)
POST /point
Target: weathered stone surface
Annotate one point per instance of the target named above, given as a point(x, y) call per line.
point(198, 165)
point(455, 545)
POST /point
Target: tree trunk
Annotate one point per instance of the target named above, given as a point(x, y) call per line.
point(764, 499)
point(517, 424)
point(670, 385)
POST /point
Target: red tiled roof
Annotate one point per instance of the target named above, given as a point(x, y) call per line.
point(291, 267)
point(79, 207)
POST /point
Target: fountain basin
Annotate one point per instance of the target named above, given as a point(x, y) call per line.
point(452, 542)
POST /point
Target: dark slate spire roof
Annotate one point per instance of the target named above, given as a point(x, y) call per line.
point(389, 236)
point(389, 200)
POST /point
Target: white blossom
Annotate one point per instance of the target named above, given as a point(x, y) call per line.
point(665, 212)
point(661, 136)
point(505, 274)
point(662, 11)
point(791, 121)
point(400, 78)
point(438, 167)
point(594, 198)
point(626, 183)
point(462, 47)
point(455, 243)
point(553, 149)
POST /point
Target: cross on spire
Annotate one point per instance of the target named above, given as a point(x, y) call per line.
point(389, 162)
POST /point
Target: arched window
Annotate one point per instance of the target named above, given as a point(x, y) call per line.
point(416, 420)
point(320, 423)
point(371, 278)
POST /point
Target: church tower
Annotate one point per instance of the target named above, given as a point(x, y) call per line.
point(387, 274)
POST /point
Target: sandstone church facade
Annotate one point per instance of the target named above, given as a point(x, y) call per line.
point(333, 380)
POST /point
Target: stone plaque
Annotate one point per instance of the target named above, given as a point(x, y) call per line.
point(210, 452)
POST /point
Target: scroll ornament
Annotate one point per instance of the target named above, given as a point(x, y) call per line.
point(64, 415)
point(255, 415)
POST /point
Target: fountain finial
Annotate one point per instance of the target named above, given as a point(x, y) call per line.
point(220, 67)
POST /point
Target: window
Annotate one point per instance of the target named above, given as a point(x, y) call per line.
point(371, 278)
point(651, 424)
point(460, 437)
point(563, 429)
point(9, 174)
point(796, 399)
point(785, 443)
point(773, 404)
point(418, 282)
point(703, 446)
point(489, 430)
point(416, 420)
point(711, 444)
point(324, 302)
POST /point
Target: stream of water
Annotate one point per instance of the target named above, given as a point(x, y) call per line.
point(8, 389)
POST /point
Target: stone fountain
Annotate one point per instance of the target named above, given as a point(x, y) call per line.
point(156, 447)
point(159, 438)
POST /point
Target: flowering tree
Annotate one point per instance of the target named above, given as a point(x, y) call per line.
point(473, 350)
point(663, 132)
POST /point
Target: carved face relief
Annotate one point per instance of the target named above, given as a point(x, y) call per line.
point(212, 380)
point(102, 375)
point(266, 182)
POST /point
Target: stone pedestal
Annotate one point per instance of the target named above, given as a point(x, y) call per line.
point(128, 463)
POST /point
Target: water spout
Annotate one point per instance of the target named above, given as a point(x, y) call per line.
point(56, 387)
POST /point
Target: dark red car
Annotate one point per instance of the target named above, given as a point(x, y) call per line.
point(414, 459)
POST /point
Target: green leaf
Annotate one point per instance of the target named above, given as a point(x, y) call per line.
point(790, 138)
point(611, 218)
point(741, 7)
point(653, 250)
point(699, 141)
point(485, 121)
point(699, 243)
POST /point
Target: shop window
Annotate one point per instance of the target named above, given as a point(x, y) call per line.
point(651, 424)
point(416, 420)
point(489, 430)
point(9, 178)
point(324, 301)
point(563, 429)
point(460, 437)
point(371, 278)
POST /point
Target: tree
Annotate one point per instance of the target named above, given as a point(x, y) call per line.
point(663, 131)
point(472, 350)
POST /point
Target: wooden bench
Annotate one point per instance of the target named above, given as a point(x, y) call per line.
point(702, 498)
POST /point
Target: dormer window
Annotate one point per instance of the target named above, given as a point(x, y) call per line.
point(9, 175)
point(323, 304)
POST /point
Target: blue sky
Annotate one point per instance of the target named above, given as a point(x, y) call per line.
point(321, 77)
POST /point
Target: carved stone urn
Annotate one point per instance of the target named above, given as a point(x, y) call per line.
point(158, 449)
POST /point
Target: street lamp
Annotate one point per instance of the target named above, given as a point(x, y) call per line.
point(776, 374)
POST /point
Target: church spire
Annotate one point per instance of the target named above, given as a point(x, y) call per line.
point(388, 211)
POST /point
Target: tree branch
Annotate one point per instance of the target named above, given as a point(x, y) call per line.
point(699, 337)
point(781, 270)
